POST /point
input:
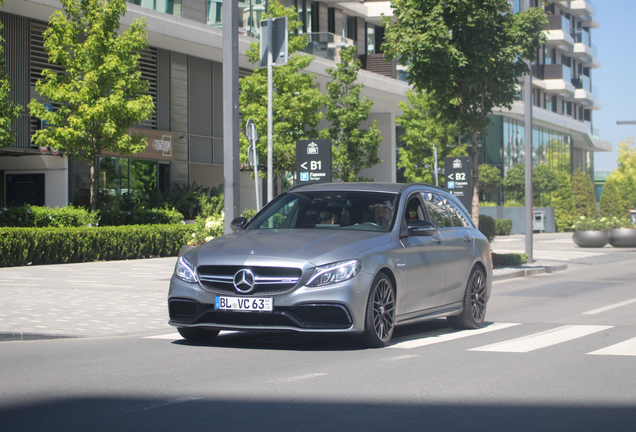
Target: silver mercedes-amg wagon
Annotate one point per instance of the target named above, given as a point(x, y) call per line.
point(358, 258)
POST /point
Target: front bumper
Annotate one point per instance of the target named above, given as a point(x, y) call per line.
point(334, 308)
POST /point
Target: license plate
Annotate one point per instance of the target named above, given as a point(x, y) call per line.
point(253, 304)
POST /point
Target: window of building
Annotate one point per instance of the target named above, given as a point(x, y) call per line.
point(350, 27)
point(331, 20)
point(126, 183)
point(172, 7)
point(370, 39)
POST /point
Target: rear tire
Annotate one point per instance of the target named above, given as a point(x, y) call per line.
point(197, 334)
point(380, 317)
point(472, 317)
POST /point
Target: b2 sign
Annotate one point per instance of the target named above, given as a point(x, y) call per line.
point(457, 171)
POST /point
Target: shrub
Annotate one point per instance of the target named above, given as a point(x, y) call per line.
point(509, 259)
point(23, 246)
point(206, 229)
point(38, 216)
point(619, 222)
point(612, 203)
point(563, 203)
point(487, 204)
point(487, 227)
point(590, 224)
point(584, 197)
point(139, 217)
point(513, 203)
point(503, 227)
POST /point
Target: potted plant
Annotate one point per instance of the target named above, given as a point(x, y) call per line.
point(622, 233)
point(590, 232)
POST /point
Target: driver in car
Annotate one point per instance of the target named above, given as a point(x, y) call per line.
point(383, 213)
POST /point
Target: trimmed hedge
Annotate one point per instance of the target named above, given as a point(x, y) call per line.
point(39, 217)
point(503, 227)
point(509, 259)
point(36, 216)
point(139, 217)
point(23, 246)
point(487, 227)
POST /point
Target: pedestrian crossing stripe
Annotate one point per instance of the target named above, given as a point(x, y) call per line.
point(627, 348)
point(543, 339)
point(444, 336)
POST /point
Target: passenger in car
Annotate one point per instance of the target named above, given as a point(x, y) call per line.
point(326, 217)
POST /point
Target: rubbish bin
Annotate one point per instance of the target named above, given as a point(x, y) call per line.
point(538, 223)
point(632, 213)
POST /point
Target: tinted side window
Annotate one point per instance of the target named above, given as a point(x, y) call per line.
point(437, 209)
point(459, 218)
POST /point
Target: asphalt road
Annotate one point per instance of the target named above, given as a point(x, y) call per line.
point(558, 354)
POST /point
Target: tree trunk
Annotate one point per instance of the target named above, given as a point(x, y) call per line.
point(94, 188)
point(474, 162)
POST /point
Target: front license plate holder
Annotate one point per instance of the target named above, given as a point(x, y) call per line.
point(244, 304)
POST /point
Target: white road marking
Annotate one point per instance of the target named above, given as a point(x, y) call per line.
point(444, 336)
point(298, 378)
point(610, 307)
point(627, 348)
point(403, 357)
point(543, 339)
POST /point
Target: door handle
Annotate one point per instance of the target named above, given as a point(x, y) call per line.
point(436, 239)
point(467, 238)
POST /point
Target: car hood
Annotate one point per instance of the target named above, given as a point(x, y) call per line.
point(306, 245)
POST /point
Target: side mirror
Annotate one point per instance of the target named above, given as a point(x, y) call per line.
point(421, 228)
point(238, 224)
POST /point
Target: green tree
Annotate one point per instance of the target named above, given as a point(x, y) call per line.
point(8, 110)
point(584, 198)
point(625, 174)
point(514, 182)
point(296, 99)
point(489, 178)
point(468, 54)
point(423, 129)
point(563, 202)
point(544, 181)
point(101, 92)
point(612, 202)
point(354, 148)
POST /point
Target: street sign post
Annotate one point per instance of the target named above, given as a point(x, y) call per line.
point(274, 36)
point(252, 156)
point(313, 161)
point(459, 180)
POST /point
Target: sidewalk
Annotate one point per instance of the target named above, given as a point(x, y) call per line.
point(122, 297)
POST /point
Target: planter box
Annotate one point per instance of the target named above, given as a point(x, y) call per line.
point(622, 237)
point(596, 239)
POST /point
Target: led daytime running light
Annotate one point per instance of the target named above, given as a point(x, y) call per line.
point(185, 271)
point(333, 273)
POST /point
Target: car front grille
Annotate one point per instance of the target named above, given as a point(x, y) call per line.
point(267, 280)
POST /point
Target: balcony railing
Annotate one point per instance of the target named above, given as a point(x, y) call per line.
point(581, 36)
point(558, 22)
point(582, 82)
point(557, 71)
point(327, 45)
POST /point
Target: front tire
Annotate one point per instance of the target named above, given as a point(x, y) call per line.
point(197, 334)
point(380, 316)
point(472, 317)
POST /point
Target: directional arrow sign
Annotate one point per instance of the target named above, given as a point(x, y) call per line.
point(451, 176)
point(303, 165)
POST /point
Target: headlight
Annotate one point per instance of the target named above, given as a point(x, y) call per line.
point(334, 273)
point(185, 271)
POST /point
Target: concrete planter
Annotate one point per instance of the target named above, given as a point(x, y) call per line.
point(622, 237)
point(596, 239)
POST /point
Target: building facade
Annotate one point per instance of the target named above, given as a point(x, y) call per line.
point(563, 98)
point(184, 67)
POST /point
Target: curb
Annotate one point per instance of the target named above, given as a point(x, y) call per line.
point(522, 272)
point(19, 336)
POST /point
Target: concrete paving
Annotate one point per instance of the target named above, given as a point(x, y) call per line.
point(113, 298)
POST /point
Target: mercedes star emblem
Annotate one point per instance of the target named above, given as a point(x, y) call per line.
point(244, 281)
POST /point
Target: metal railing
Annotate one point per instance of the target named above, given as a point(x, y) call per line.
point(327, 45)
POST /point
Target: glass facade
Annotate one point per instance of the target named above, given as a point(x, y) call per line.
point(504, 145)
point(126, 183)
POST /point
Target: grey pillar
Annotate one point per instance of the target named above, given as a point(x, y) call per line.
point(527, 110)
point(231, 146)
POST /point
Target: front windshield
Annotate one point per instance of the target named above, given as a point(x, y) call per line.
point(366, 211)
